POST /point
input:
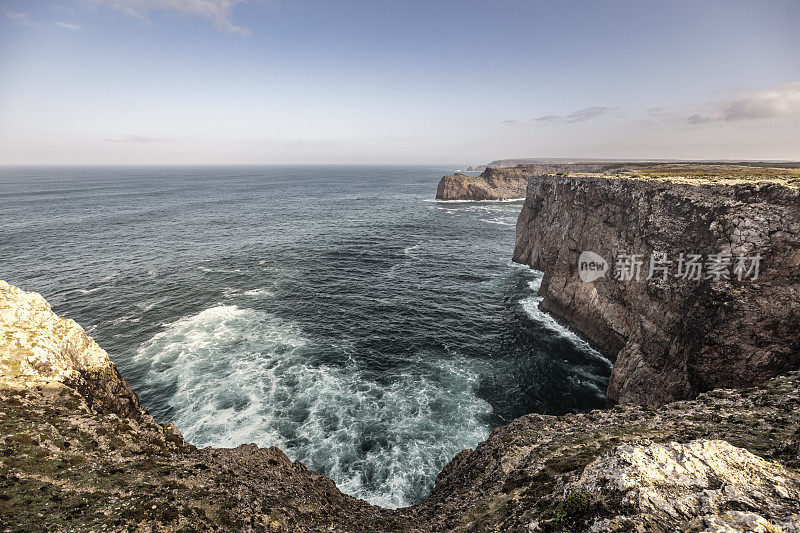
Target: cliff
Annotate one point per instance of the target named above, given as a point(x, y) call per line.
point(497, 183)
point(672, 336)
point(489, 185)
point(80, 454)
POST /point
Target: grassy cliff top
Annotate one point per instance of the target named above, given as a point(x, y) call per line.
point(705, 173)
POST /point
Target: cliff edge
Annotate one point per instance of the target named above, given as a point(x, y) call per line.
point(490, 185)
point(721, 308)
point(78, 453)
point(498, 183)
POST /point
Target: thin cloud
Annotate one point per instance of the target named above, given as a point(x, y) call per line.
point(582, 115)
point(20, 19)
point(25, 21)
point(16, 17)
point(67, 26)
point(781, 101)
point(132, 139)
point(697, 118)
point(217, 11)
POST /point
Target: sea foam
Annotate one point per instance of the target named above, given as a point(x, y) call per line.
point(531, 306)
point(230, 375)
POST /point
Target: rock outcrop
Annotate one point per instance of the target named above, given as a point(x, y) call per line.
point(487, 186)
point(673, 336)
point(710, 484)
point(544, 473)
point(39, 348)
point(499, 183)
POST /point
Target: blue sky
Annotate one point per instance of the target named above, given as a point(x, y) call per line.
point(225, 81)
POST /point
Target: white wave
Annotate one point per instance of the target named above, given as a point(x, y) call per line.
point(89, 291)
point(146, 306)
point(499, 221)
point(219, 270)
point(233, 376)
point(124, 319)
point(409, 250)
point(500, 201)
point(259, 292)
point(531, 306)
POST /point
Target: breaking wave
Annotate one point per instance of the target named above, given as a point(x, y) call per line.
point(531, 306)
point(233, 376)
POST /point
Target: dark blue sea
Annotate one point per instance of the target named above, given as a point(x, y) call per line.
point(339, 313)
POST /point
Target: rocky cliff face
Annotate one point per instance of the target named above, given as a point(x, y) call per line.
point(77, 453)
point(502, 183)
point(39, 348)
point(488, 186)
point(673, 337)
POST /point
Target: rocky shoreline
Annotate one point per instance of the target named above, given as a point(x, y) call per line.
point(79, 453)
point(71, 462)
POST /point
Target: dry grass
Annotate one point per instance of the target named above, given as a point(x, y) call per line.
point(699, 173)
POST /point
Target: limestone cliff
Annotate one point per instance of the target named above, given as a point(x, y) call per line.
point(77, 453)
point(488, 186)
point(673, 337)
point(634, 468)
point(496, 183)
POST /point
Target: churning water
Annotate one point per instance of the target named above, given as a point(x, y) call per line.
point(338, 313)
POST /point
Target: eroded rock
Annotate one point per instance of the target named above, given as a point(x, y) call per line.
point(674, 337)
point(702, 485)
point(502, 183)
point(40, 347)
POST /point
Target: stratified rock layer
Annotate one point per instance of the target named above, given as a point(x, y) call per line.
point(672, 338)
point(484, 187)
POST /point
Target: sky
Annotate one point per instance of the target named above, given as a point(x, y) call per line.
point(396, 82)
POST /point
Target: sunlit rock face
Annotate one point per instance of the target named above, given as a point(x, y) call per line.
point(703, 485)
point(672, 337)
point(40, 347)
point(490, 185)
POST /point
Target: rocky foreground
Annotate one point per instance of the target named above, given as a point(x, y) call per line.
point(78, 453)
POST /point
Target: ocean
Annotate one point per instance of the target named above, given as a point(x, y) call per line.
point(339, 313)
